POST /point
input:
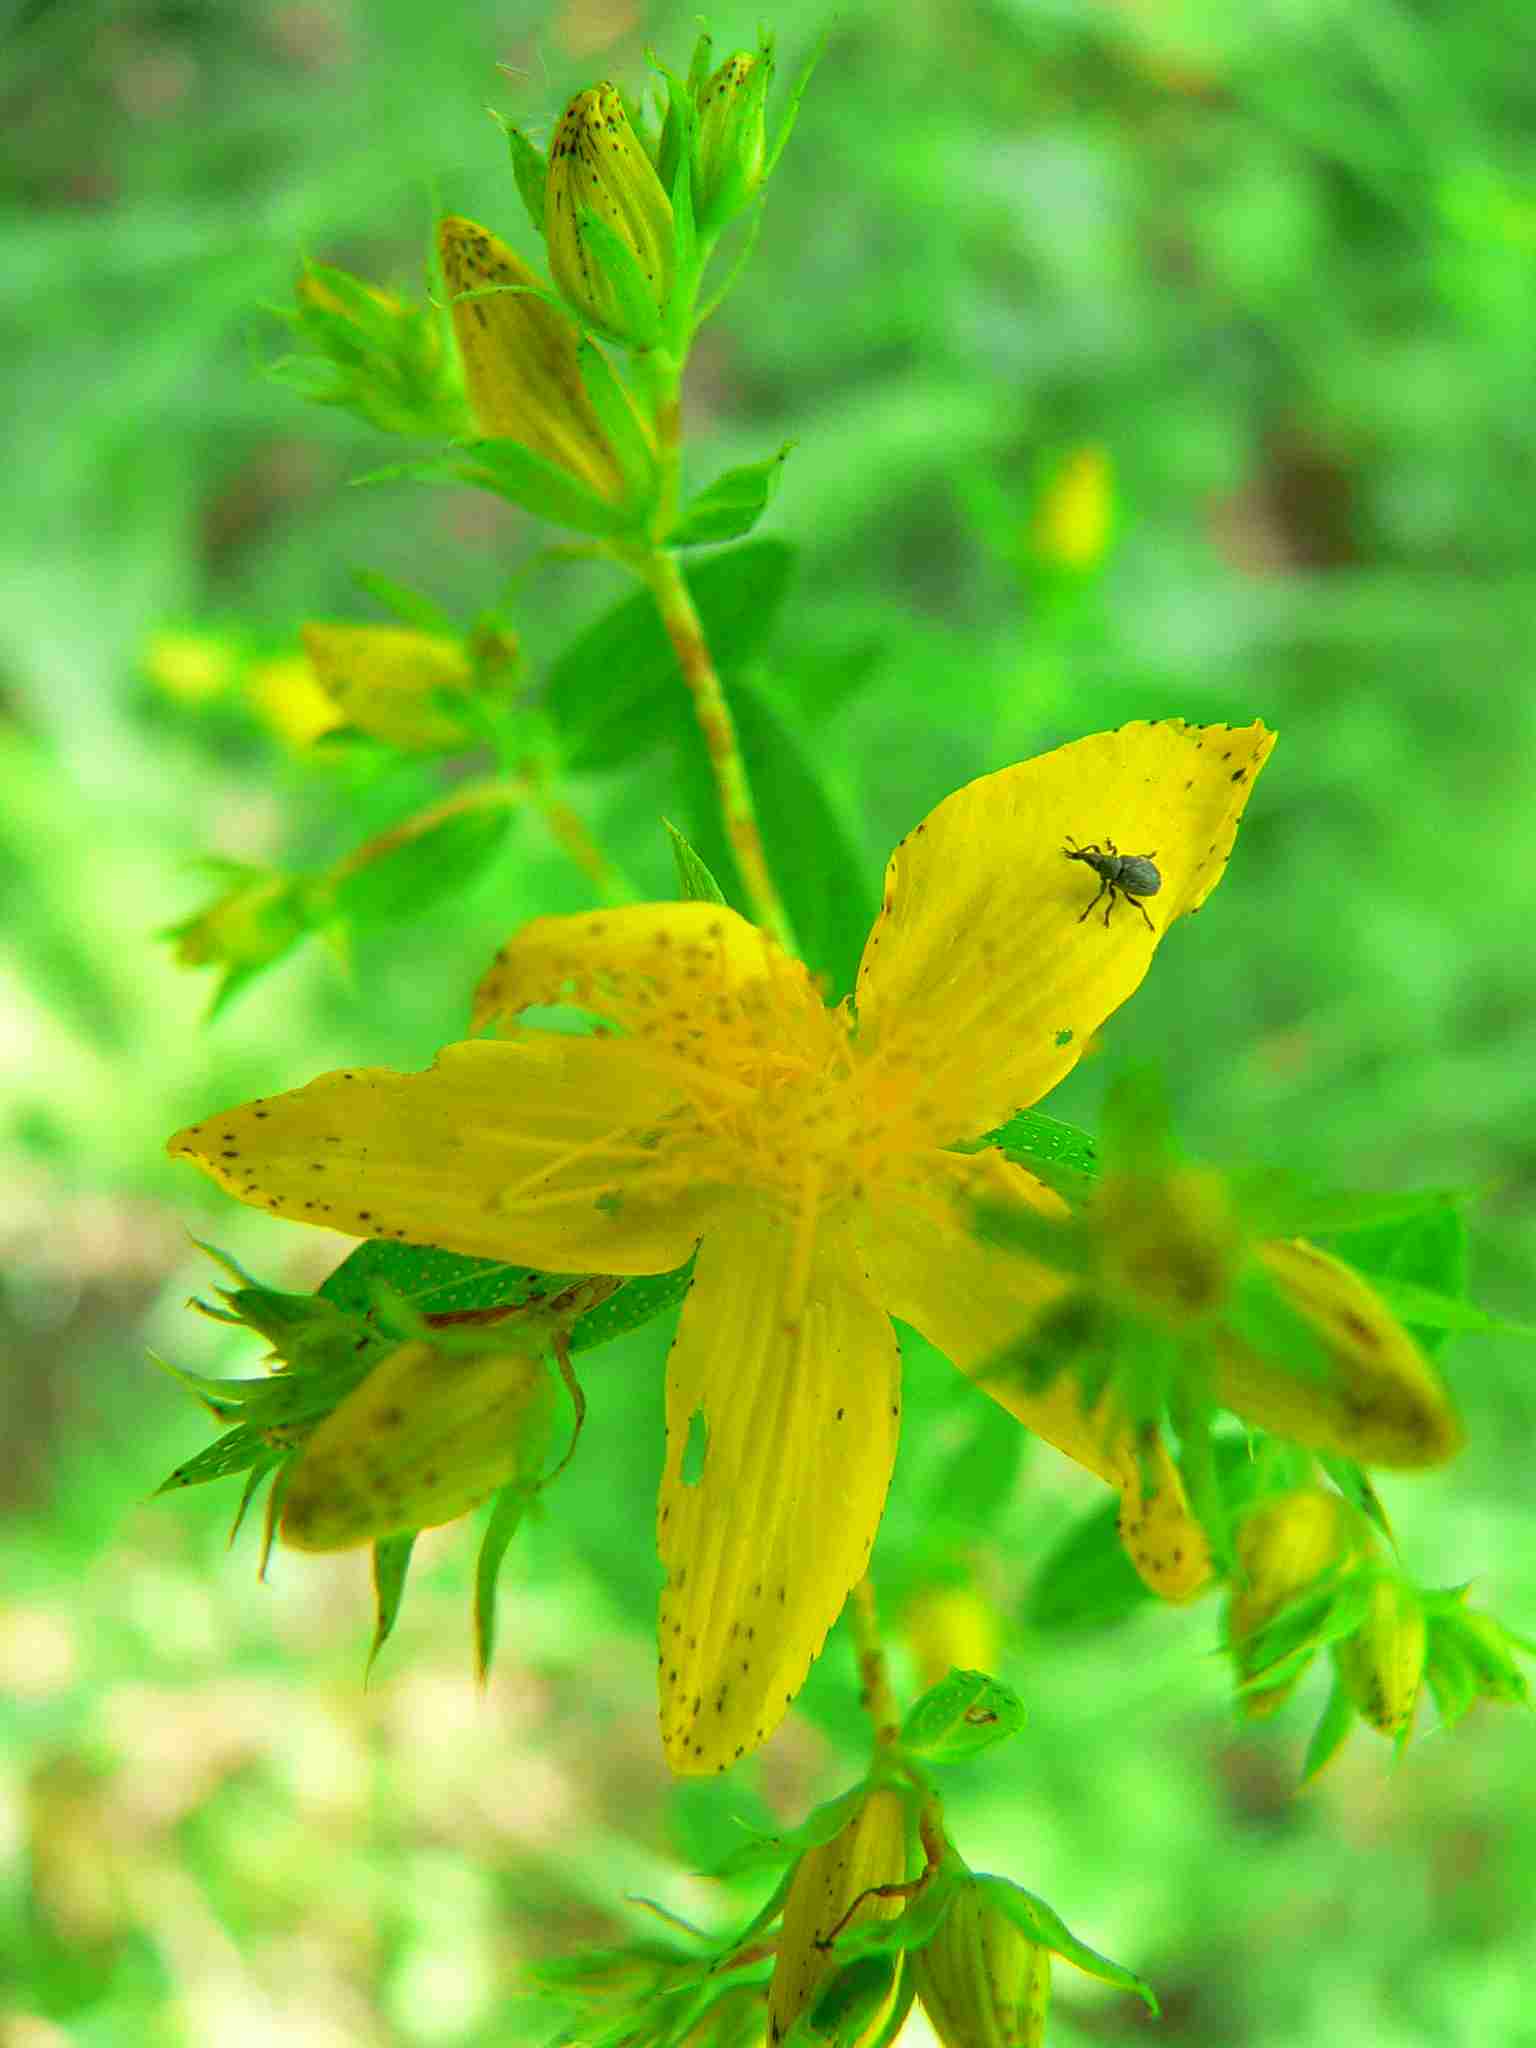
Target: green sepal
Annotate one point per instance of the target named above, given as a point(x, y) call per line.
point(1337, 1718)
point(965, 1713)
point(694, 881)
point(616, 415)
point(507, 1511)
point(236, 1451)
point(511, 471)
point(1354, 1483)
point(679, 133)
point(530, 168)
point(731, 506)
point(613, 256)
point(391, 1567)
point(846, 2004)
point(767, 1852)
point(253, 1485)
point(1427, 1308)
point(1042, 1924)
point(792, 109)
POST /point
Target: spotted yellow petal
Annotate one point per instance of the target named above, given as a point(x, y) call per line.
point(692, 977)
point(980, 972)
point(971, 1301)
point(783, 1398)
point(1382, 1401)
point(543, 1152)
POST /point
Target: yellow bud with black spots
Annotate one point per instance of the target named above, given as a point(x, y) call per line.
point(834, 1888)
point(731, 146)
point(1381, 1666)
point(982, 1982)
point(1284, 1546)
point(607, 221)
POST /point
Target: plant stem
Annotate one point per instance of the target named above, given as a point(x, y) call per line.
point(686, 632)
point(875, 1695)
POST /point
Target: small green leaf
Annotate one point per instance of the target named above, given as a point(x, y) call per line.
point(768, 1852)
point(636, 1303)
point(411, 607)
point(732, 505)
point(236, 1451)
point(1041, 1143)
point(1086, 1581)
point(965, 1713)
point(695, 882)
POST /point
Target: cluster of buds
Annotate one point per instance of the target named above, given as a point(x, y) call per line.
point(1290, 1550)
point(374, 355)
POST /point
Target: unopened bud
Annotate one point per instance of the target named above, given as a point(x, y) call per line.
point(982, 1982)
point(607, 221)
point(250, 926)
point(434, 1429)
point(1284, 1547)
point(520, 356)
point(832, 1890)
point(1381, 1665)
point(1075, 512)
point(731, 144)
point(406, 688)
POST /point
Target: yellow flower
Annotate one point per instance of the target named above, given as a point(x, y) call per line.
point(807, 1153)
point(406, 688)
point(289, 698)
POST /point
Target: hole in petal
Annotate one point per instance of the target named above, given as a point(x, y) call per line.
point(696, 1448)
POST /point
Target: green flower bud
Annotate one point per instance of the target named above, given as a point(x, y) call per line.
point(374, 354)
point(730, 156)
point(982, 1982)
point(607, 221)
point(871, 1849)
point(250, 926)
point(1381, 1666)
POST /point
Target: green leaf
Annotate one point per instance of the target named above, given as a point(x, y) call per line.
point(514, 472)
point(507, 1512)
point(827, 884)
point(614, 693)
point(636, 1303)
point(1087, 1581)
point(391, 1564)
point(768, 1852)
point(965, 1713)
point(421, 868)
point(694, 881)
point(732, 505)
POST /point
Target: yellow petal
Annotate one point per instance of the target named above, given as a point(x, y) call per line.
point(971, 1300)
point(783, 1398)
point(978, 972)
point(1383, 1402)
point(541, 1152)
point(683, 972)
point(832, 1890)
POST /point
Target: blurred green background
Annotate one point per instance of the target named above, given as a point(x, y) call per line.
point(1279, 261)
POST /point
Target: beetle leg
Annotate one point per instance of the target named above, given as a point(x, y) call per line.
point(1144, 917)
point(1114, 891)
point(1102, 887)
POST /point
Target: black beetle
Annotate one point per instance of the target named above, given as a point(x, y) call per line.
point(1123, 874)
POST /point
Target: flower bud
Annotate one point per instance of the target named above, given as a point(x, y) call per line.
point(1381, 1666)
point(607, 221)
point(406, 688)
point(520, 356)
point(434, 1429)
point(374, 355)
point(1284, 1546)
point(982, 1982)
point(286, 695)
point(951, 1628)
point(1075, 512)
point(731, 144)
point(1169, 1241)
point(1380, 1400)
point(871, 1849)
point(250, 926)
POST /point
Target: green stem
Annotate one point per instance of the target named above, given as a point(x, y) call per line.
point(685, 630)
